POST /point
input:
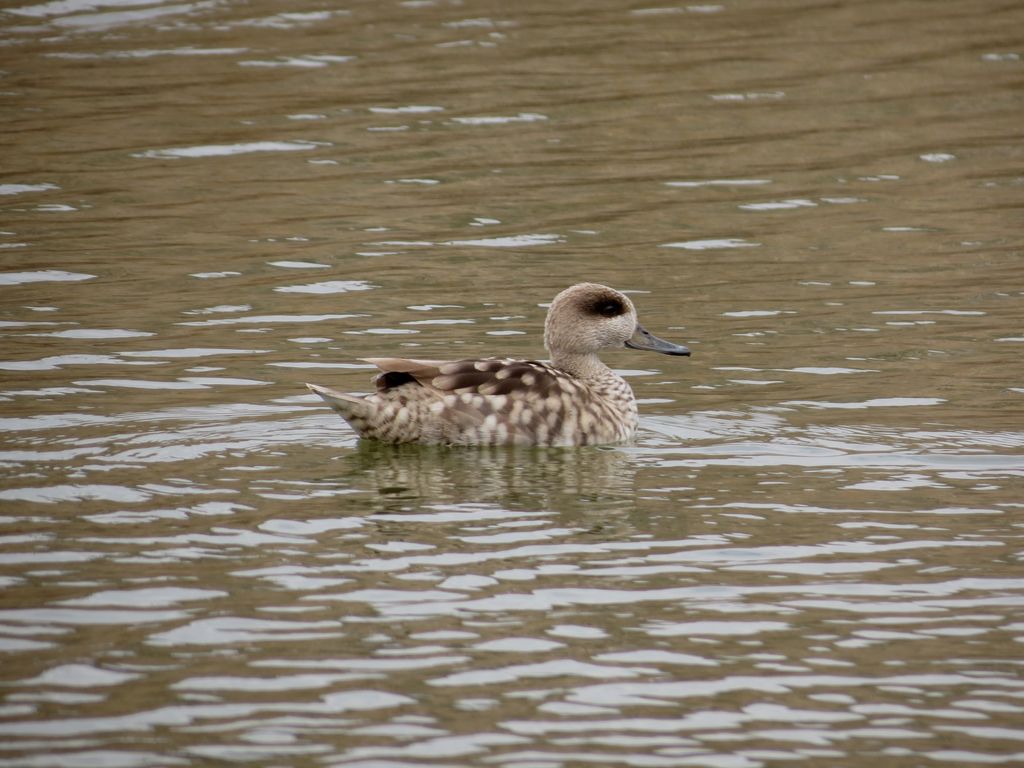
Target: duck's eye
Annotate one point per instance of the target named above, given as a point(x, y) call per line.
point(609, 308)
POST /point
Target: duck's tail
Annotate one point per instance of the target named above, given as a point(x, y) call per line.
point(352, 408)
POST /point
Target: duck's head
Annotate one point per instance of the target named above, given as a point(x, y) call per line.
point(588, 317)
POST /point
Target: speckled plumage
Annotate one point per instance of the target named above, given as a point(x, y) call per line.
point(574, 399)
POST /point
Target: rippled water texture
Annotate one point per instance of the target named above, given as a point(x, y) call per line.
point(809, 556)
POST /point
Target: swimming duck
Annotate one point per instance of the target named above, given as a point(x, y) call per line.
point(574, 399)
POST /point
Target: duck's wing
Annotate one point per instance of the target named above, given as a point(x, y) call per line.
point(516, 379)
point(490, 376)
point(484, 401)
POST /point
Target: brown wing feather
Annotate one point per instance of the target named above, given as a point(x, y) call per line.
point(530, 380)
point(496, 377)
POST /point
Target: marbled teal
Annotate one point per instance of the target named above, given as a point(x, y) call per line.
point(575, 399)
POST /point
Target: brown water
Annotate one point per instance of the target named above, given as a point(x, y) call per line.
point(809, 556)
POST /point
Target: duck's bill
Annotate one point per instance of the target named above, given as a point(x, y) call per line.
point(644, 339)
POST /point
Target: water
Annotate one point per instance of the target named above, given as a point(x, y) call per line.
point(810, 554)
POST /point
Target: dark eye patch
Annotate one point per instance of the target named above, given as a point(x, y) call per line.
point(607, 306)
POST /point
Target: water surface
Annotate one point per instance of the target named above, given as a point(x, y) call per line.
point(810, 554)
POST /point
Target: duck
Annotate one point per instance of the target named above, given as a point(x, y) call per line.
point(573, 399)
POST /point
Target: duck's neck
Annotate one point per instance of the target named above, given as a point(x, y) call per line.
point(581, 365)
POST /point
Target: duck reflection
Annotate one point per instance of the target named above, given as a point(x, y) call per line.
point(559, 479)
